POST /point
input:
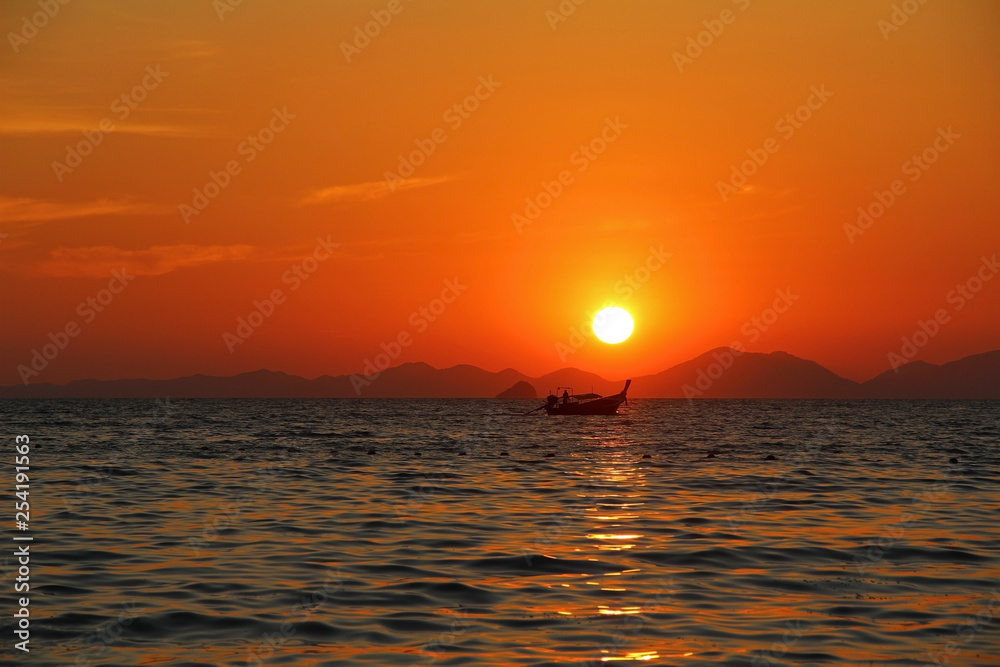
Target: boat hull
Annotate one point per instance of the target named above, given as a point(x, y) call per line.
point(602, 406)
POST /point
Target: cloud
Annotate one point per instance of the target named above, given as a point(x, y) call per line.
point(368, 191)
point(99, 261)
point(621, 225)
point(38, 124)
point(189, 48)
point(26, 209)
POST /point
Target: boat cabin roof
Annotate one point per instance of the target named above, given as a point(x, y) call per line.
point(579, 397)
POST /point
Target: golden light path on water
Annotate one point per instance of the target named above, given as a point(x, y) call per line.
point(615, 469)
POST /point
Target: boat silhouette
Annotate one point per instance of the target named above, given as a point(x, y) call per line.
point(583, 404)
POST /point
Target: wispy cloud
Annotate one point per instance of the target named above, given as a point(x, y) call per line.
point(367, 191)
point(99, 261)
point(189, 48)
point(39, 124)
point(25, 209)
point(621, 225)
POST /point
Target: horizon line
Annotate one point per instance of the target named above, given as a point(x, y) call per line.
point(508, 368)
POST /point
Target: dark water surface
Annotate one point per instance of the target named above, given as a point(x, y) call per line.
point(460, 533)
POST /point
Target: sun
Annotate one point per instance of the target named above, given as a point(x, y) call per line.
point(613, 325)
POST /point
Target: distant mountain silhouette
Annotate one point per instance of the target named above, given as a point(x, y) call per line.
point(719, 373)
point(726, 373)
point(521, 389)
point(976, 376)
point(420, 380)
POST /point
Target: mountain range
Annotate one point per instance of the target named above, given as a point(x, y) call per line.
point(719, 373)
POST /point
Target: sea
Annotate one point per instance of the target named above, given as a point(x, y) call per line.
point(466, 532)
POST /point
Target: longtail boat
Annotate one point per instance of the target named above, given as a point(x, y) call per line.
point(584, 404)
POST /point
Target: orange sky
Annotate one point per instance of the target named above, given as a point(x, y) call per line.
point(608, 76)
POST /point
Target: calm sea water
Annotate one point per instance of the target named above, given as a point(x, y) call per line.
point(463, 533)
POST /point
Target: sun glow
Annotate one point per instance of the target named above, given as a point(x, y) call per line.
point(613, 325)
